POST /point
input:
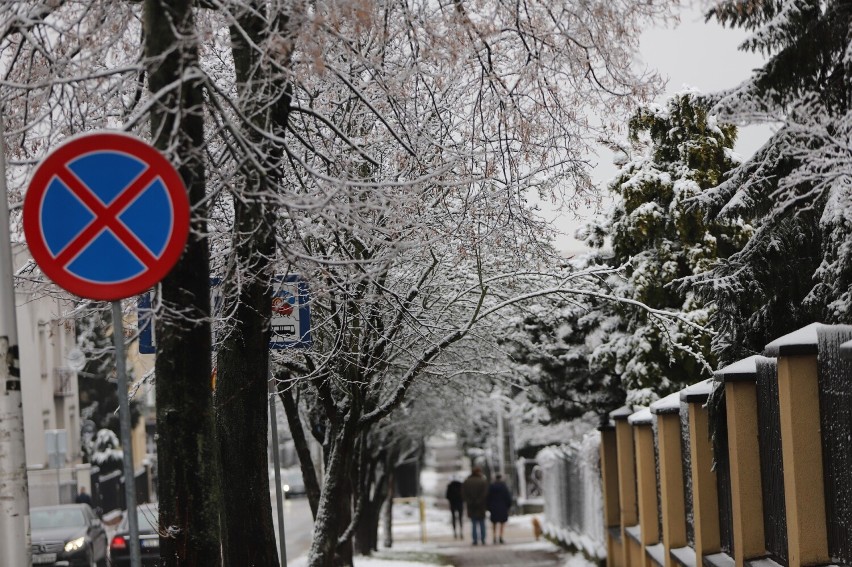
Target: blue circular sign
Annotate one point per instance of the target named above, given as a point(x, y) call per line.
point(106, 216)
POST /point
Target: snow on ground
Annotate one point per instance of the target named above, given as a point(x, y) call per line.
point(369, 562)
point(440, 542)
point(577, 560)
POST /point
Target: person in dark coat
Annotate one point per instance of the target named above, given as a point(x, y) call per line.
point(454, 495)
point(499, 502)
point(475, 494)
point(83, 498)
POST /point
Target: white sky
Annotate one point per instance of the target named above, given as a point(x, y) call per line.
point(694, 54)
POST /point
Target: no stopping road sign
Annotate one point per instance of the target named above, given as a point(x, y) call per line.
point(106, 216)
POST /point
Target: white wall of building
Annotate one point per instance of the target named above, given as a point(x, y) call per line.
point(49, 388)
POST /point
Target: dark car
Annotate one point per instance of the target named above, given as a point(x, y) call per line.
point(70, 535)
point(294, 483)
point(149, 538)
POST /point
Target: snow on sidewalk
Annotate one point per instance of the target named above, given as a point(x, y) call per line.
point(520, 550)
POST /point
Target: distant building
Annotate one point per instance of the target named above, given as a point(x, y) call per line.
point(49, 391)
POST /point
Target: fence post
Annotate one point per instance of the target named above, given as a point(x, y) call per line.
point(672, 497)
point(609, 482)
point(744, 458)
point(646, 482)
point(801, 445)
point(626, 485)
point(705, 495)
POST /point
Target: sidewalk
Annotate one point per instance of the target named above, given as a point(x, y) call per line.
point(520, 550)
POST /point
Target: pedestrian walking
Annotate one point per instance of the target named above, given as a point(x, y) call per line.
point(83, 498)
point(475, 495)
point(454, 495)
point(499, 501)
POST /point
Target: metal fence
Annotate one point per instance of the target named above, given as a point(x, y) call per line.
point(835, 390)
point(723, 478)
point(573, 504)
point(771, 461)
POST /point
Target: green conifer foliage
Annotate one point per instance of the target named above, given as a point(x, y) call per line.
point(797, 189)
point(663, 238)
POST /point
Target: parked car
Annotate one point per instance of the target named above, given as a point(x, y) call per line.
point(293, 482)
point(69, 534)
point(149, 538)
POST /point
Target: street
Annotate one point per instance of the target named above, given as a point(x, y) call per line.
point(298, 525)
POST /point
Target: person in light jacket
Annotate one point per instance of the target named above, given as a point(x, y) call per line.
point(475, 494)
point(499, 502)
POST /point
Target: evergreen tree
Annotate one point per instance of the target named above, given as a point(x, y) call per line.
point(662, 239)
point(797, 187)
point(551, 347)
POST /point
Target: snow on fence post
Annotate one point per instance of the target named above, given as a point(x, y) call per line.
point(573, 500)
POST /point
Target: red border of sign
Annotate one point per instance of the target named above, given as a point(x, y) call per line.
point(103, 141)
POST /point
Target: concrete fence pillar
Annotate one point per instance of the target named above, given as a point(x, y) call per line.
point(609, 484)
point(670, 455)
point(801, 443)
point(628, 511)
point(705, 495)
point(744, 457)
point(646, 482)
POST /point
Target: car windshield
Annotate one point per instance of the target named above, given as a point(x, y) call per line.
point(51, 518)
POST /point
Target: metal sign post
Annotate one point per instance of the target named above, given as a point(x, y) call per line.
point(106, 217)
point(124, 419)
point(276, 460)
point(14, 499)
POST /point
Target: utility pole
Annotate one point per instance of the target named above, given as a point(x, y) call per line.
point(14, 497)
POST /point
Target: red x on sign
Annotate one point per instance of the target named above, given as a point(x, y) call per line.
point(106, 216)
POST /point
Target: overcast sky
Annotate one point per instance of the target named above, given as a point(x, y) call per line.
point(691, 54)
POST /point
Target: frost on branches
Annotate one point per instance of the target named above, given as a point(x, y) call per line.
point(383, 150)
point(796, 189)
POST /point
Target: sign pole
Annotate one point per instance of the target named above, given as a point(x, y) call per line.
point(14, 498)
point(273, 416)
point(124, 419)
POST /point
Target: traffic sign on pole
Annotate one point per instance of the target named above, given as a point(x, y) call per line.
point(291, 313)
point(106, 216)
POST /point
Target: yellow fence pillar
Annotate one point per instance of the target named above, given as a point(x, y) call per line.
point(646, 481)
point(801, 446)
point(744, 458)
point(670, 456)
point(705, 495)
point(626, 483)
point(609, 482)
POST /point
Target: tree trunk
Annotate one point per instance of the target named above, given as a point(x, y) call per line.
point(187, 457)
point(309, 472)
point(241, 419)
point(328, 525)
point(389, 510)
point(243, 371)
point(367, 533)
point(243, 360)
